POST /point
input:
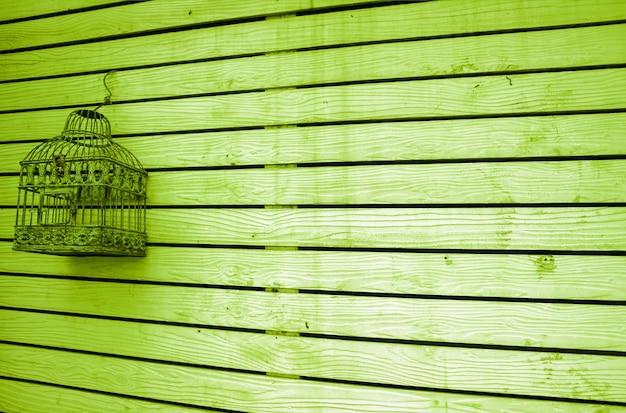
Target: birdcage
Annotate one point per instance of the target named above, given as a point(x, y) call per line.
point(80, 193)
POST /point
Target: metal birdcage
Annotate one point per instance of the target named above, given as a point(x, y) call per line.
point(80, 193)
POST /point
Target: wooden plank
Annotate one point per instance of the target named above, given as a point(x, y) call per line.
point(471, 183)
point(532, 136)
point(513, 372)
point(249, 392)
point(36, 398)
point(488, 275)
point(19, 9)
point(488, 95)
point(482, 183)
point(26, 397)
point(414, 20)
point(547, 49)
point(588, 90)
point(146, 16)
point(580, 326)
point(8, 190)
point(502, 228)
point(596, 228)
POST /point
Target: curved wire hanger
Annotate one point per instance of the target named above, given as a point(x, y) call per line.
point(107, 98)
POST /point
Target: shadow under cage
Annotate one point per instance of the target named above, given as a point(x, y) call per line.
point(81, 193)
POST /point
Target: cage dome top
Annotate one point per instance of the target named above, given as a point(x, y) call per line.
point(86, 135)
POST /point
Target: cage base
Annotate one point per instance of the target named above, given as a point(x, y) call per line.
point(67, 240)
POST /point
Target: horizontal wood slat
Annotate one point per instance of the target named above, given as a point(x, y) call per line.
point(535, 373)
point(512, 228)
point(413, 20)
point(19, 9)
point(601, 228)
point(481, 183)
point(488, 275)
point(255, 393)
point(590, 90)
point(583, 326)
point(529, 182)
point(145, 16)
point(532, 136)
point(538, 50)
point(38, 398)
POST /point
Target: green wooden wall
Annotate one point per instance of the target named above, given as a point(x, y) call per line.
point(354, 206)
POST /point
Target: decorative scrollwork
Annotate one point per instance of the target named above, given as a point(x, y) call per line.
point(79, 240)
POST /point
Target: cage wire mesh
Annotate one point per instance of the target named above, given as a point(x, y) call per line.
point(81, 193)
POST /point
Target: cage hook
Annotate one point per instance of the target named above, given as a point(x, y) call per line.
point(107, 98)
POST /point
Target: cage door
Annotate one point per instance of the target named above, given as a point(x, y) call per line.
point(57, 206)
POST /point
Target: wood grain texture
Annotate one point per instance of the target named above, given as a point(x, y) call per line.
point(21, 397)
point(223, 389)
point(18, 9)
point(473, 183)
point(153, 15)
point(413, 20)
point(200, 387)
point(484, 183)
point(512, 228)
point(535, 50)
point(8, 190)
point(31, 398)
point(528, 136)
point(534, 373)
point(466, 53)
point(481, 275)
point(532, 136)
point(588, 90)
point(583, 326)
point(600, 228)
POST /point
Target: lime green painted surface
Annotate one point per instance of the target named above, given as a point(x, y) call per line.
point(417, 182)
